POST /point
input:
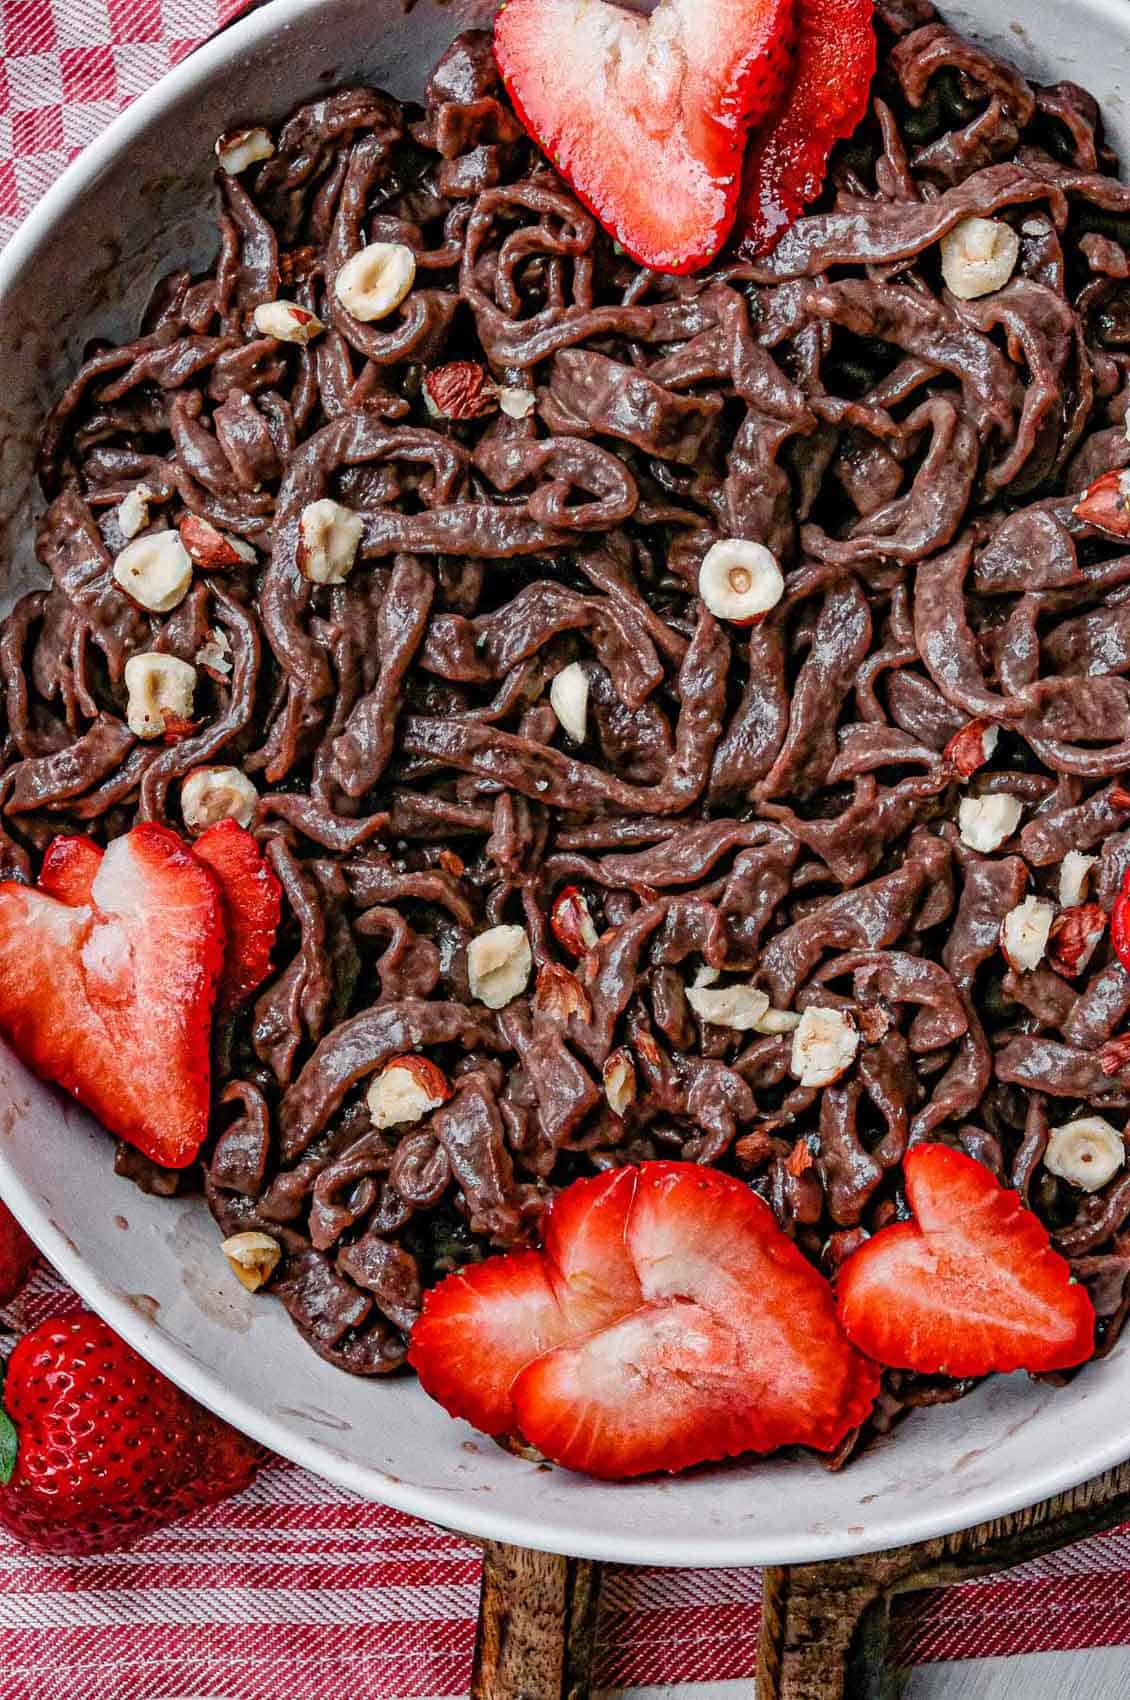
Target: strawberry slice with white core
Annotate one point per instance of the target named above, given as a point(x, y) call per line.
point(478, 1329)
point(684, 1326)
point(586, 1250)
point(482, 1325)
point(648, 117)
point(970, 1286)
point(112, 999)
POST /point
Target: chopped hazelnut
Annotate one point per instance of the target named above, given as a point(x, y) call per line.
point(406, 1090)
point(330, 538)
point(253, 1256)
point(569, 700)
point(1086, 1153)
point(159, 689)
point(373, 283)
point(824, 1046)
point(979, 256)
point(986, 822)
point(740, 581)
point(211, 794)
point(498, 965)
point(1024, 934)
point(154, 571)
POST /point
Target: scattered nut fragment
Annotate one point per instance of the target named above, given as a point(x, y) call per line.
point(286, 321)
point(1024, 934)
point(569, 700)
point(237, 149)
point(211, 794)
point(620, 1086)
point(373, 283)
point(1086, 1153)
point(571, 924)
point(979, 256)
point(159, 690)
point(253, 1256)
point(211, 548)
point(515, 402)
point(985, 822)
point(1105, 504)
point(155, 571)
point(800, 1159)
point(874, 1022)
point(406, 1090)
point(777, 1021)
point(498, 965)
point(559, 994)
point(214, 654)
point(740, 581)
point(824, 1046)
point(1075, 937)
point(707, 976)
point(132, 512)
point(972, 747)
point(330, 539)
point(1074, 877)
point(1114, 1055)
point(459, 390)
point(739, 1007)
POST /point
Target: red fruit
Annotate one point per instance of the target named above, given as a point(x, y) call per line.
point(107, 1448)
point(252, 898)
point(113, 1000)
point(647, 118)
point(686, 1327)
point(18, 1256)
point(788, 159)
point(970, 1286)
point(69, 867)
point(478, 1328)
point(484, 1324)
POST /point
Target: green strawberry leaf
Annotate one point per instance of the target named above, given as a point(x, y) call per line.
point(9, 1447)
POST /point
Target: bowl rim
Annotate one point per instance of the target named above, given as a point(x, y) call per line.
point(923, 1520)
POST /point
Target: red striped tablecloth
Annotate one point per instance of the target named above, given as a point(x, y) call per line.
point(296, 1591)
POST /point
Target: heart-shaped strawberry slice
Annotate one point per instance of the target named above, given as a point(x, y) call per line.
point(668, 1321)
point(648, 117)
point(111, 996)
point(788, 160)
point(970, 1286)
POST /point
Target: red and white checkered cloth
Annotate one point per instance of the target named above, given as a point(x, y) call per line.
point(295, 1591)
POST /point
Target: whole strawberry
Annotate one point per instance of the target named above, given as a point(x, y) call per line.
point(97, 1448)
point(18, 1256)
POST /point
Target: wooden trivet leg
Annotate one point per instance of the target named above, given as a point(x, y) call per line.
point(537, 1626)
point(824, 1626)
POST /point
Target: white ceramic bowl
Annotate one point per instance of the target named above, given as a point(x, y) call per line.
point(131, 206)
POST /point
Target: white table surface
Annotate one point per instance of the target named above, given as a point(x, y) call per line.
point(1101, 1675)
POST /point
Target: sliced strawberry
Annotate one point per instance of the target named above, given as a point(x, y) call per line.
point(69, 867)
point(788, 159)
point(647, 118)
point(737, 1349)
point(972, 1285)
point(686, 1327)
point(113, 1000)
point(586, 1249)
point(478, 1328)
point(252, 907)
point(481, 1326)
